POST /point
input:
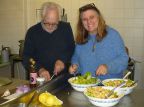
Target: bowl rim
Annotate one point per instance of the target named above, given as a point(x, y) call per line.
point(70, 79)
point(131, 87)
point(107, 99)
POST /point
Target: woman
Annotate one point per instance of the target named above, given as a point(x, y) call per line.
point(100, 48)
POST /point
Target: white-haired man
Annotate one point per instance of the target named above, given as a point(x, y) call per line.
point(49, 42)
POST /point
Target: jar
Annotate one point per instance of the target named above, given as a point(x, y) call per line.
point(5, 55)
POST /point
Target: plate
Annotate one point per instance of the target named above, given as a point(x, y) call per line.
point(5, 81)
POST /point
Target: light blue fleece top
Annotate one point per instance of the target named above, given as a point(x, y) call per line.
point(110, 51)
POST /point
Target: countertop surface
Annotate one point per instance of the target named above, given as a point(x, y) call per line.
point(12, 85)
point(72, 98)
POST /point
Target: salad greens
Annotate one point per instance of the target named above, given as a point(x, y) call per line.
point(85, 79)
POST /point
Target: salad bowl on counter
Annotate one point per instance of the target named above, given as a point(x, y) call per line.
point(98, 96)
point(80, 83)
point(126, 89)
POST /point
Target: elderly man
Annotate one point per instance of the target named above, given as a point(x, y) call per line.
point(50, 43)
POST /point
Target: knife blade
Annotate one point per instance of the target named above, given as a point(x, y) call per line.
point(52, 76)
point(33, 96)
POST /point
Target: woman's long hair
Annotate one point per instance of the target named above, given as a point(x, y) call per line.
point(82, 33)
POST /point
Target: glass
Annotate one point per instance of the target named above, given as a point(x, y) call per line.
point(87, 6)
point(50, 24)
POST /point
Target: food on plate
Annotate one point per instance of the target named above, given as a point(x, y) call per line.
point(48, 99)
point(85, 79)
point(99, 92)
point(114, 83)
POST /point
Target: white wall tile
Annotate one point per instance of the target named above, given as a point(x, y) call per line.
point(129, 13)
point(113, 13)
point(139, 13)
point(133, 22)
point(138, 3)
point(129, 4)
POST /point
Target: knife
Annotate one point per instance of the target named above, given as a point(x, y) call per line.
point(52, 76)
point(33, 96)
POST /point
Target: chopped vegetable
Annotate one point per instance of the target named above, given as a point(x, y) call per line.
point(85, 79)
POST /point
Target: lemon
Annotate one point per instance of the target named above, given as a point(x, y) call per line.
point(48, 99)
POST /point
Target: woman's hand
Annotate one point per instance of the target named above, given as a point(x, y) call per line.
point(102, 70)
point(59, 66)
point(73, 68)
point(44, 73)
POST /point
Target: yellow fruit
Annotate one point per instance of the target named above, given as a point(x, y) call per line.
point(48, 99)
point(26, 98)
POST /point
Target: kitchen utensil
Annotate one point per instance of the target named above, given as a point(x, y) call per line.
point(33, 96)
point(75, 73)
point(127, 74)
point(133, 83)
point(112, 91)
point(52, 76)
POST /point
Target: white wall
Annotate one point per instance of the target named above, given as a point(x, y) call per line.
point(12, 23)
point(127, 16)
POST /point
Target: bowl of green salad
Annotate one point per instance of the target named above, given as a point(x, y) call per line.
point(80, 83)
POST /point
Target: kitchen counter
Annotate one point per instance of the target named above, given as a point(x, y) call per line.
point(12, 85)
point(71, 98)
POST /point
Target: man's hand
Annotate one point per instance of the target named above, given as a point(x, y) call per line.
point(73, 68)
point(44, 73)
point(59, 66)
point(102, 70)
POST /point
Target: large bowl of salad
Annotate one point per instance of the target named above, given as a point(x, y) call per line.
point(80, 83)
point(98, 96)
point(126, 89)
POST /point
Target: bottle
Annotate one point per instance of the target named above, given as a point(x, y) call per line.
point(33, 74)
point(5, 54)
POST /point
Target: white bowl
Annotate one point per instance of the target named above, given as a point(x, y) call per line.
point(81, 87)
point(108, 102)
point(124, 90)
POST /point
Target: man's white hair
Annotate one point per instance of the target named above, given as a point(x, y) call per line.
point(50, 5)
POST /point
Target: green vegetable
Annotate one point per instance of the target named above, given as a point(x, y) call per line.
point(87, 75)
point(85, 79)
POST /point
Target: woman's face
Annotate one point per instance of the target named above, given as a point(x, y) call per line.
point(90, 21)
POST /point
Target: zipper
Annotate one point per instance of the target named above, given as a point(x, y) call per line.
point(94, 45)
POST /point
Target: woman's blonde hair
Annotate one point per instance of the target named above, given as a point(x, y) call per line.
point(50, 5)
point(82, 33)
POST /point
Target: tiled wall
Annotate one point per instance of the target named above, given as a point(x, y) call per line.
point(127, 16)
point(11, 23)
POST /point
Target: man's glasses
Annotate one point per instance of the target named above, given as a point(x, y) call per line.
point(50, 24)
point(86, 7)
